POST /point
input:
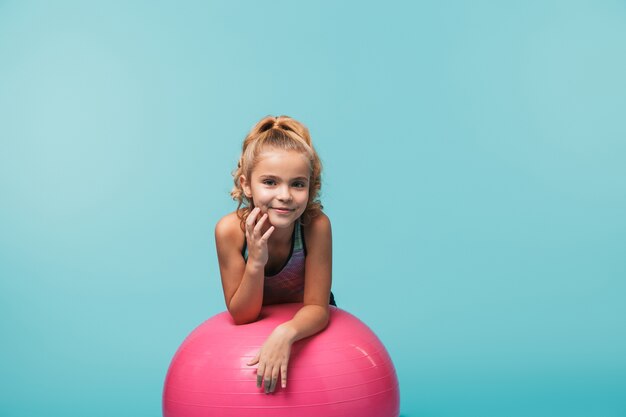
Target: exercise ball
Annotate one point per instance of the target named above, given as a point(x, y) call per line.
point(343, 371)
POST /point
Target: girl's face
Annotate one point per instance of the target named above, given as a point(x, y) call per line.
point(279, 185)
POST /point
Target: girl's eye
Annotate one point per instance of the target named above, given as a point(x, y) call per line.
point(269, 182)
point(299, 184)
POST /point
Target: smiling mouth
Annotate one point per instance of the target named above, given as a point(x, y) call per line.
point(281, 209)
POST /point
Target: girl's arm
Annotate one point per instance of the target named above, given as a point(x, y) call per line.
point(273, 357)
point(242, 282)
point(313, 316)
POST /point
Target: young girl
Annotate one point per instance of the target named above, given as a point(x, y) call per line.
point(276, 247)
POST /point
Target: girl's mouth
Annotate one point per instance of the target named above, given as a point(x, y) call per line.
point(281, 210)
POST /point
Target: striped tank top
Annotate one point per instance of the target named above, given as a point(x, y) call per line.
point(287, 286)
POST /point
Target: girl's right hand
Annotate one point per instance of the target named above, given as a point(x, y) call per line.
point(256, 240)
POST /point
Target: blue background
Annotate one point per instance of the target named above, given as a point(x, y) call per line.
point(475, 175)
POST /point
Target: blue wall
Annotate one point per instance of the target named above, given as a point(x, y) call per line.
point(475, 175)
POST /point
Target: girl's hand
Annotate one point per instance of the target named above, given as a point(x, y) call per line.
point(256, 240)
point(273, 359)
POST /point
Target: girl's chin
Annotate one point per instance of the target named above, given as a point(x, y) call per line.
point(282, 220)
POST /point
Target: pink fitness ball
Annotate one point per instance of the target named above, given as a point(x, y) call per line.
point(344, 371)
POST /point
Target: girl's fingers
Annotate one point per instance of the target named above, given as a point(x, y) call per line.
point(259, 375)
point(283, 375)
point(254, 361)
point(251, 220)
point(267, 234)
point(252, 216)
point(259, 224)
point(267, 379)
point(274, 379)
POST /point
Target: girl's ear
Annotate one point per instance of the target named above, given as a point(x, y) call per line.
point(245, 185)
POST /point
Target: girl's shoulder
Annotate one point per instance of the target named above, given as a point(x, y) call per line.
point(319, 220)
point(317, 227)
point(228, 230)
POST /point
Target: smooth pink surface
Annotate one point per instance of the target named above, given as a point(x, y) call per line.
point(343, 371)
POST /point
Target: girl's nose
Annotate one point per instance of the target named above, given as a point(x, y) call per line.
point(284, 194)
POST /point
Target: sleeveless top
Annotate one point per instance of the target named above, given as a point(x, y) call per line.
point(287, 286)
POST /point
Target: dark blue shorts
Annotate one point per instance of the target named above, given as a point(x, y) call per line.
point(332, 300)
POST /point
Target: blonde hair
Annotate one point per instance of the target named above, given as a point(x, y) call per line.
point(280, 132)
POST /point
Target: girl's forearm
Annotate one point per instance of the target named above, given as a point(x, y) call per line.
point(245, 305)
point(310, 319)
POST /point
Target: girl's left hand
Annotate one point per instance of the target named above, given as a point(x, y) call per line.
point(273, 359)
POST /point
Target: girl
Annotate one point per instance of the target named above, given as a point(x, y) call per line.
point(276, 247)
